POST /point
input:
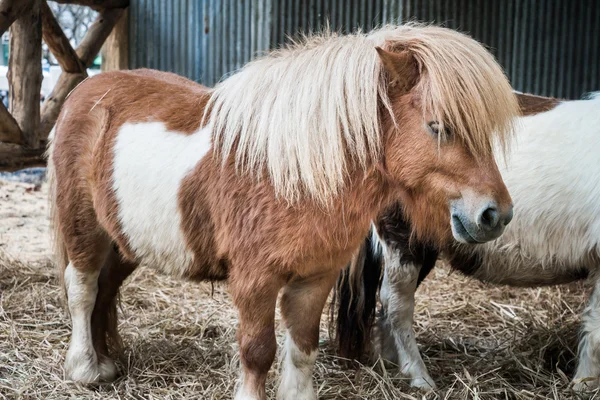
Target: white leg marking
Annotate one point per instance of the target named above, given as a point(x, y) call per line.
point(384, 344)
point(587, 376)
point(81, 363)
point(296, 375)
point(244, 389)
point(150, 162)
point(398, 301)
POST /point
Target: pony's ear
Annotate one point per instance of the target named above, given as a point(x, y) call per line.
point(401, 67)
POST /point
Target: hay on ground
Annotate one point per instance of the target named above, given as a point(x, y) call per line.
point(478, 341)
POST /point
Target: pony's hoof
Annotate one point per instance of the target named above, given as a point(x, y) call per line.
point(87, 369)
point(107, 370)
point(82, 370)
point(423, 383)
point(585, 384)
point(306, 395)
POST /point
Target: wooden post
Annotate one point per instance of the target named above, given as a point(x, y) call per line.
point(10, 11)
point(9, 129)
point(58, 43)
point(13, 157)
point(96, 35)
point(97, 5)
point(25, 73)
point(115, 52)
point(86, 52)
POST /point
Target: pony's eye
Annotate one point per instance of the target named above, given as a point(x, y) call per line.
point(444, 134)
point(434, 128)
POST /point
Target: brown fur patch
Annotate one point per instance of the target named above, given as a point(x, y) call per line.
point(105, 334)
point(302, 303)
point(530, 104)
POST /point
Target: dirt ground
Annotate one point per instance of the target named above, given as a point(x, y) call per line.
point(478, 341)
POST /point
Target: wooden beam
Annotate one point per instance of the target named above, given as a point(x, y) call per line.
point(58, 43)
point(25, 73)
point(96, 35)
point(9, 129)
point(51, 107)
point(115, 51)
point(13, 157)
point(97, 5)
point(88, 50)
point(10, 11)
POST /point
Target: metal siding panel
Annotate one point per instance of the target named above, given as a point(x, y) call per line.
point(594, 49)
point(549, 47)
point(541, 31)
point(571, 62)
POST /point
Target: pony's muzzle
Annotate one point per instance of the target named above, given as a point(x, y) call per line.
point(490, 217)
point(472, 224)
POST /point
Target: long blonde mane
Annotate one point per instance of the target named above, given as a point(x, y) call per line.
point(308, 113)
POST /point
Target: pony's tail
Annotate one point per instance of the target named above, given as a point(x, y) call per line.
point(59, 250)
point(355, 302)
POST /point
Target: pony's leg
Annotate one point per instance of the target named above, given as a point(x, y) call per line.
point(397, 297)
point(104, 316)
point(302, 303)
point(81, 282)
point(587, 376)
point(256, 298)
point(384, 344)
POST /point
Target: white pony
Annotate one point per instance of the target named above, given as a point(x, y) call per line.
point(553, 174)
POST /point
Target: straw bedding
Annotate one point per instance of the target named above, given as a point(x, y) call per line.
point(478, 341)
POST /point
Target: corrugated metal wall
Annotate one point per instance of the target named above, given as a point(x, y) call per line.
point(548, 47)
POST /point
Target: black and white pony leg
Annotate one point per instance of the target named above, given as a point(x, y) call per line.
point(587, 376)
point(396, 334)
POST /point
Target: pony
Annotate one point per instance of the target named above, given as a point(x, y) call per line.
point(553, 175)
point(271, 179)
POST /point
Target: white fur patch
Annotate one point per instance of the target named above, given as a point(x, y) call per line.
point(149, 165)
point(397, 297)
point(296, 375)
point(245, 391)
point(553, 176)
point(81, 363)
point(587, 376)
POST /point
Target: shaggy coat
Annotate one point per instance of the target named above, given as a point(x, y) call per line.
point(553, 174)
point(270, 180)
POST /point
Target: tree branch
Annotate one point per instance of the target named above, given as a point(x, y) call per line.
point(9, 129)
point(13, 157)
point(97, 5)
point(10, 11)
point(58, 43)
point(91, 44)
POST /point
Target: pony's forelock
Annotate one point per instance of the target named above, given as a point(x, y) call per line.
point(303, 113)
point(462, 86)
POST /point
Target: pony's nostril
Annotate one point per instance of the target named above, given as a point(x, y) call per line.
point(489, 218)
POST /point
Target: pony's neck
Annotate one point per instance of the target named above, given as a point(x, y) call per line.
point(368, 194)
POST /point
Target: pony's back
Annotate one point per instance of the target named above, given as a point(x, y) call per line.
point(79, 161)
point(552, 174)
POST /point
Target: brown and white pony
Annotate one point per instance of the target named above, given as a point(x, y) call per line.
point(553, 174)
point(271, 180)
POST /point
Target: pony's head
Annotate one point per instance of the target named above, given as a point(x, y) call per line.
point(425, 104)
point(448, 106)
